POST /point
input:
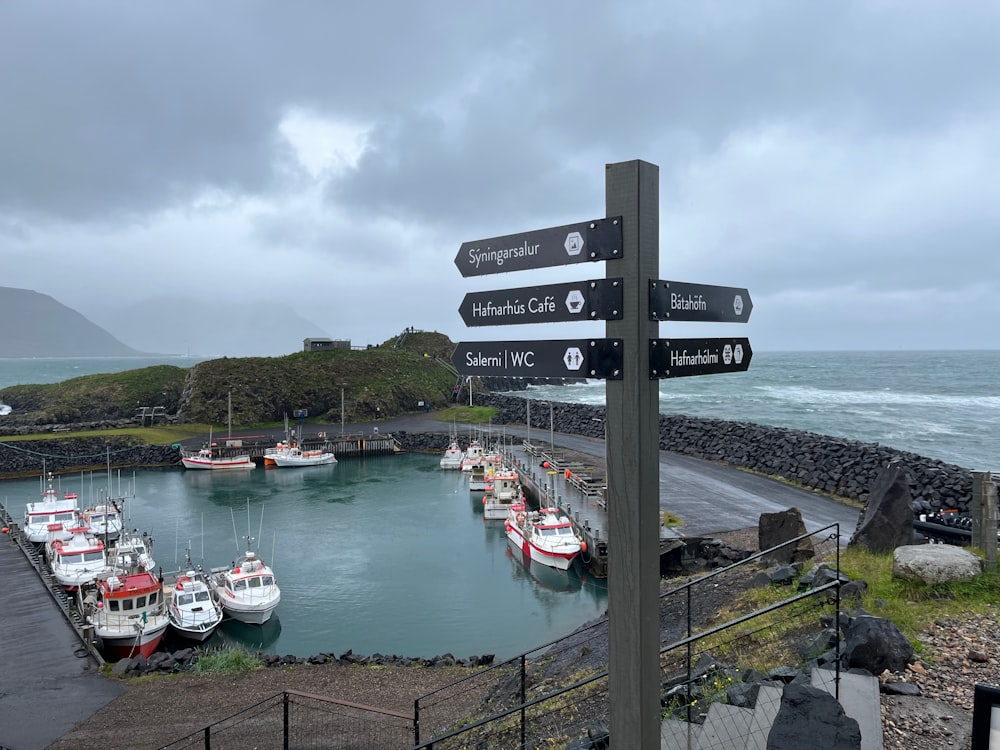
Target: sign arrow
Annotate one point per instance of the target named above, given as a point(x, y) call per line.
point(598, 299)
point(679, 301)
point(600, 239)
point(679, 358)
point(572, 358)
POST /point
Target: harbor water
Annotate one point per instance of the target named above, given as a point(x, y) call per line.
point(385, 555)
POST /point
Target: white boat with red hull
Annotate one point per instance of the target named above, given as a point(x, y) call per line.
point(545, 535)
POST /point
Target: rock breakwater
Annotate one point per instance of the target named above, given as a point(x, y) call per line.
point(835, 466)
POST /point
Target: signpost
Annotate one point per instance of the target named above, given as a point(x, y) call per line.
point(679, 358)
point(599, 299)
point(600, 239)
point(569, 358)
point(631, 235)
point(680, 301)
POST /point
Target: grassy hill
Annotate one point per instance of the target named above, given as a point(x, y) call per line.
point(387, 380)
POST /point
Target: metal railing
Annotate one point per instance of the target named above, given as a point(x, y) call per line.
point(300, 720)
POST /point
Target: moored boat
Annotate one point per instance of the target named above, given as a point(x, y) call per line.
point(295, 456)
point(545, 535)
point(76, 561)
point(194, 610)
point(105, 520)
point(472, 456)
point(128, 614)
point(51, 509)
point(132, 552)
point(502, 491)
point(248, 591)
point(206, 458)
point(452, 456)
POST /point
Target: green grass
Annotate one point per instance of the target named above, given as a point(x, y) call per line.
point(467, 414)
point(230, 660)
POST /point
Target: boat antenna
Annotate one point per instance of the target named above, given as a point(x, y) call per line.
point(261, 531)
point(235, 535)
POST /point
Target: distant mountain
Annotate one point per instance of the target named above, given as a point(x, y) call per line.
point(35, 325)
point(188, 326)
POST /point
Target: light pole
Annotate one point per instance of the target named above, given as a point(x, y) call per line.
point(342, 409)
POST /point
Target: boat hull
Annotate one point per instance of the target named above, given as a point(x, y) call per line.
point(116, 645)
point(557, 560)
point(294, 461)
point(249, 615)
point(244, 462)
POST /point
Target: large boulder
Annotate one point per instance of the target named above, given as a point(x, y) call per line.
point(774, 530)
point(810, 717)
point(875, 645)
point(887, 519)
point(935, 563)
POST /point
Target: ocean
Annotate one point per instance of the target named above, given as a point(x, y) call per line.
point(940, 404)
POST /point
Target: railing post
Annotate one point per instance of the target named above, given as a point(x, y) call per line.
point(524, 699)
point(284, 733)
point(416, 721)
point(208, 738)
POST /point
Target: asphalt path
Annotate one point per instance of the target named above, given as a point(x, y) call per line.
point(48, 683)
point(708, 497)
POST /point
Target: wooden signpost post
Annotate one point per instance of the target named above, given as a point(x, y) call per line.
point(632, 359)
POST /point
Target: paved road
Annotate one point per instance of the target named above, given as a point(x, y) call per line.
point(708, 497)
point(47, 683)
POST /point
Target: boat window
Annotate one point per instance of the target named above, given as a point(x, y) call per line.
point(268, 581)
point(113, 605)
point(240, 585)
point(185, 599)
point(152, 598)
point(201, 596)
point(254, 583)
point(140, 601)
point(64, 516)
point(127, 604)
point(71, 559)
point(95, 556)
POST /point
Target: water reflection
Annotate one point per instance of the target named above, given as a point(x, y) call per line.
point(545, 576)
point(251, 637)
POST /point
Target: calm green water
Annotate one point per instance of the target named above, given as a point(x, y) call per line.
point(384, 555)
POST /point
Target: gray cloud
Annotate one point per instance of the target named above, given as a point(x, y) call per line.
point(837, 159)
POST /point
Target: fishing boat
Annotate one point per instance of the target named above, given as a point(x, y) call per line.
point(545, 535)
point(298, 457)
point(472, 456)
point(77, 561)
point(51, 509)
point(104, 520)
point(133, 552)
point(128, 614)
point(208, 458)
point(502, 491)
point(248, 591)
point(194, 610)
point(452, 457)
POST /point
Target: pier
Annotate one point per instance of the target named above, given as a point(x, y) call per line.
point(577, 483)
point(341, 446)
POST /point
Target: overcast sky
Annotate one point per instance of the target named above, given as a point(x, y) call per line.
point(841, 160)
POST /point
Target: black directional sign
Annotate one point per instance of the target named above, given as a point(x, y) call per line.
point(572, 358)
point(680, 301)
point(600, 239)
point(599, 299)
point(679, 358)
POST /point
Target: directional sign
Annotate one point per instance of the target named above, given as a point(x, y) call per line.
point(680, 301)
point(573, 358)
point(600, 239)
point(599, 299)
point(679, 358)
